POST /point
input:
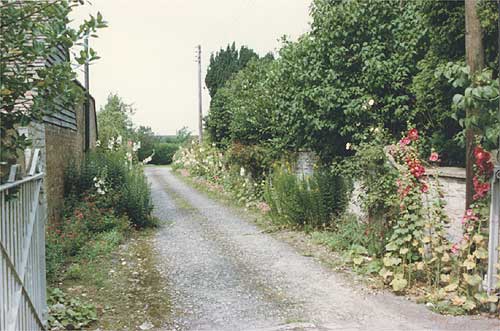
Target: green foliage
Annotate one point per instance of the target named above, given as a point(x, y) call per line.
point(162, 148)
point(135, 199)
point(222, 172)
point(479, 92)
point(82, 221)
point(67, 312)
point(164, 153)
point(364, 64)
point(241, 111)
point(309, 202)
point(224, 64)
point(31, 31)
point(348, 232)
point(124, 187)
point(147, 139)
point(113, 120)
point(255, 159)
point(370, 168)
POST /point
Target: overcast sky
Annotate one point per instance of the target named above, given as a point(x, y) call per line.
point(148, 50)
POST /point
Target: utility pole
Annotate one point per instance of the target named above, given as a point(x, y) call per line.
point(200, 113)
point(87, 97)
point(474, 53)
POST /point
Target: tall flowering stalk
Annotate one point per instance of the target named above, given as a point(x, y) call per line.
point(418, 242)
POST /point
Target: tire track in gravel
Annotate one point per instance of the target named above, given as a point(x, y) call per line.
point(224, 274)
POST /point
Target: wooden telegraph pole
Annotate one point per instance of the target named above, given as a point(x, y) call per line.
point(200, 113)
point(474, 53)
point(87, 97)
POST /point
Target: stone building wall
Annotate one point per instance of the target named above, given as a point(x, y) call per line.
point(64, 147)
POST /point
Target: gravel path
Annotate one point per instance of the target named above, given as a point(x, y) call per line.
point(224, 274)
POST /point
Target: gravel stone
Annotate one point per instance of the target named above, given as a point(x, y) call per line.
point(223, 273)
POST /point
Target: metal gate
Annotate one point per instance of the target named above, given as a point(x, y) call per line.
point(22, 257)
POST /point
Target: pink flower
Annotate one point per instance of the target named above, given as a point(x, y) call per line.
point(434, 157)
point(424, 188)
point(264, 207)
point(405, 141)
point(455, 248)
point(413, 134)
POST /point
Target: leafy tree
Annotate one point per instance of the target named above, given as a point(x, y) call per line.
point(147, 139)
point(242, 110)
point(31, 32)
point(224, 64)
point(352, 72)
point(114, 120)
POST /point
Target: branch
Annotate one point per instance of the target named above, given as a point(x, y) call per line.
point(40, 9)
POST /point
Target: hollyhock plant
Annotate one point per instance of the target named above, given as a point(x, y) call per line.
point(405, 141)
point(434, 157)
point(413, 134)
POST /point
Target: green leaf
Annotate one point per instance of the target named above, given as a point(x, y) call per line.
point(358, 260)
point(399, 283)
point(452, 287)
point(391, 246)
point(472, 280)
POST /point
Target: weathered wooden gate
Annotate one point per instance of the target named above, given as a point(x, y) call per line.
point(22, 257)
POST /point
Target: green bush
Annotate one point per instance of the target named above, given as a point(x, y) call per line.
point(164, 153)
point(80, 227)
point(348, 232)
point(135, 199)
point(310, 202)
point(124, 189)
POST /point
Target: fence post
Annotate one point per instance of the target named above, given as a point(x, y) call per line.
point(494, 235)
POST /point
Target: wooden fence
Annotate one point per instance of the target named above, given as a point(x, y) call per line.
point(22, 257)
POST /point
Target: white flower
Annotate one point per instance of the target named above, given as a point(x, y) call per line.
point(136, 146)
point(119, 140)
point(371, 102)
point(242, 171)
point(98, 143)
point(348, 146)
point(377, 130)
point(111, 143)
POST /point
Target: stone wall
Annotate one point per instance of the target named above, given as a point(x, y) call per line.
point(63, 147)
point(452, 181)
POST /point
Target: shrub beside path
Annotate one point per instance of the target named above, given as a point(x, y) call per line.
point(223, 273)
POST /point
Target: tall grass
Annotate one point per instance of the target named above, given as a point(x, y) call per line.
point(309, 202)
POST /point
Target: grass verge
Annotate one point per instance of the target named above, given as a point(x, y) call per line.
point(122, 282)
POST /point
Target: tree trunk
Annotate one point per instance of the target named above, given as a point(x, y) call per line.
point(474, 52)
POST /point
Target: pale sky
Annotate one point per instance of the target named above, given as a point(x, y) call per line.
point(148, 50)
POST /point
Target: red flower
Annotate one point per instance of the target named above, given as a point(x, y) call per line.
point(424, 188)
point(434, 157)
point(481, 155)
point(416, 169)
point(413, 134)
point(480, 188)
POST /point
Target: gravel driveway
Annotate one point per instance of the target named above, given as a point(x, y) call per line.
point(223, 273)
